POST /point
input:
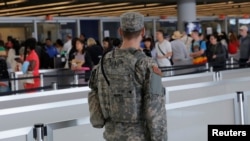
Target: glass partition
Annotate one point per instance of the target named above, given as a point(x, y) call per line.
point(149, 27)
point(55, 31)
point(19, 31)
point(244, 22)
point(232, 25)
point(215, 25)
point(48, 30)
point(167, 26)
point(110, 29)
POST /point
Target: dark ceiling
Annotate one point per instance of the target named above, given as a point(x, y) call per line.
point(88, 8)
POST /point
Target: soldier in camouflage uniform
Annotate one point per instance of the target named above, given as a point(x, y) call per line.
point(127, 97)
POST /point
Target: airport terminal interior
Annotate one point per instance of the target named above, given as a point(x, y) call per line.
point(50, 103)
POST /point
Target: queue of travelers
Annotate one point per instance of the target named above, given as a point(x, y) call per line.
point(178, 49)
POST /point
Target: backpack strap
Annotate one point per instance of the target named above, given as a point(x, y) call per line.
point(138, 54)
point(192, 45)
point(102, 68)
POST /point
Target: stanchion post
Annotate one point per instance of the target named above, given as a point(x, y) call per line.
point(215, 77)
point(171, 71)
point(232, 62)
point(220, 75)
point(227, 64)
point(39, 131)
point(76, 79)
point(207, 67)
point(41, 81)
point(211, 69)
point(54, 85)
point(12, 76)
point(16, 82)
point(240, 97)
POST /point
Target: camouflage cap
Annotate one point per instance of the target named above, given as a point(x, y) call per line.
point(132, 21)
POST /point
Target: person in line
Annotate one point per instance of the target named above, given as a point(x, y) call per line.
point(233, 45)
point(59, 46)
point(127, 96)
point(52, 53)
point(224, 39)
point(216, 53)
point(3, 52)
point(116, 42)
point(4, 74)
point(71, 53)
point(149, 45)
point(244, 46)
point(11, 54)
point(163, 50)
point(95, 50)
point(198, 47)
point(82, 60)
point(84, 39)
point(107, 44)
point(68, 44)
point(31, 56)
point(180, 53)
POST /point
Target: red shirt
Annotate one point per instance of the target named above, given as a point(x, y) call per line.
point(233, 47)
point(32, 56)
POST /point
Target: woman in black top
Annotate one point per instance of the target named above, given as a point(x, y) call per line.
point(107, 44)
point(81, 58)
point(216, 53)
point(148, 42)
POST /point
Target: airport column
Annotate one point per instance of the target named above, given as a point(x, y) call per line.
point(186, 12)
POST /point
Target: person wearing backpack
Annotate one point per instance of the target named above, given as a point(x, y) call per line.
point(127, 97)
point(198, 48)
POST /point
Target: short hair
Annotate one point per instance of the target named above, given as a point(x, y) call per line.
point(91, 42)
point(148, 39)
point(131, 35)
point(116, 42)
point(161, 31)
point(47, 39)
point(30, 43)
point(216, 36)
point(59, 42)
point(196, 31)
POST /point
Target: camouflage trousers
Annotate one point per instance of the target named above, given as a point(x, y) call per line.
point(126, 132)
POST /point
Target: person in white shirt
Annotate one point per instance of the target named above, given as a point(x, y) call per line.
point(68, 44)
point(67, 47)
point(163, 50)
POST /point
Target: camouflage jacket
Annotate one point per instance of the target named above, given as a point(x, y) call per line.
point(125, 97)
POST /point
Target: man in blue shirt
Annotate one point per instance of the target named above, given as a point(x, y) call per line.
point(198, 47)
point(51, 52)
point(50, 49)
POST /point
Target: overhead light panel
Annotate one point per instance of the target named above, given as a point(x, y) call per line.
point(36, 6)
point(69, 8)
point(116, 9)
point(12, 2)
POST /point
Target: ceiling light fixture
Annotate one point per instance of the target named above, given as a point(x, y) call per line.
point(64, 9)
point(36, 6)
point(12, 2)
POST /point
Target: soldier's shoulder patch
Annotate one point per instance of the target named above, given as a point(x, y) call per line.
point(157, 70)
